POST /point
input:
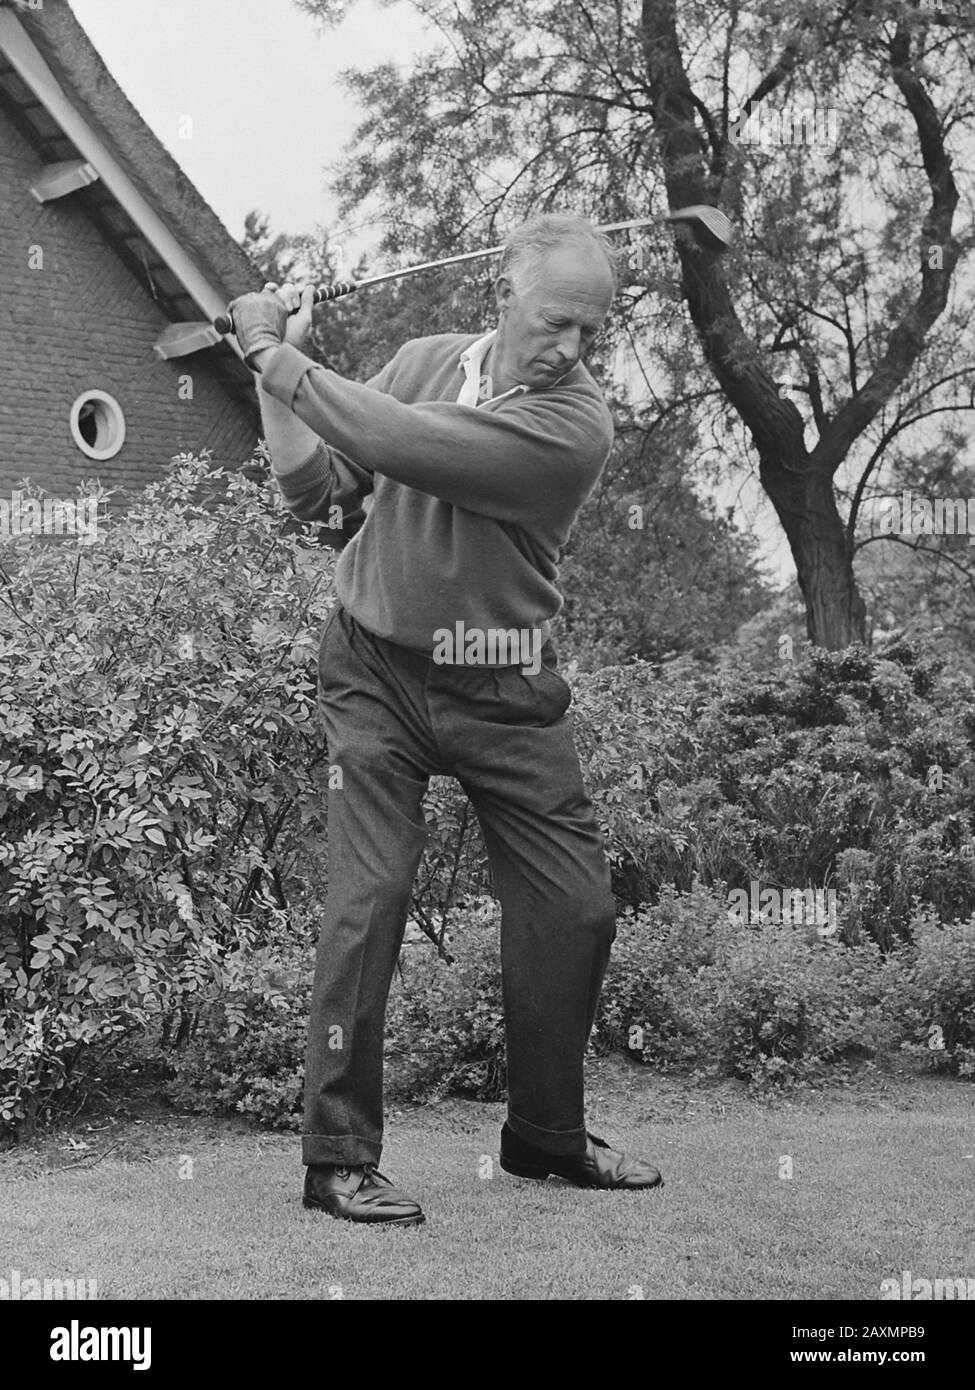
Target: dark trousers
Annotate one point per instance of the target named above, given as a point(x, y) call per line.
point(394, 718)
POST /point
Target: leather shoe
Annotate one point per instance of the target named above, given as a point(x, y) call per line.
point(600, 1166)
point(359, 1193)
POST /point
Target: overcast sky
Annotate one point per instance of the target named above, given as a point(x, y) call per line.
point(260, 82)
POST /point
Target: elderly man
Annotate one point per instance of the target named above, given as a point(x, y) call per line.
point(478, 453)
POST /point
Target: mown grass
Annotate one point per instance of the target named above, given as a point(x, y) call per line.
point(882, 1177)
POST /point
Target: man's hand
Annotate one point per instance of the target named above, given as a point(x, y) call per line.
point(298, 298)
point(296, 326)
point(259, 322)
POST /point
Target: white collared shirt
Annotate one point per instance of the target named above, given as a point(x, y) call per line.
point(479, 388)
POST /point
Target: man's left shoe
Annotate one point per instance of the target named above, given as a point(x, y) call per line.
point(600, 1166)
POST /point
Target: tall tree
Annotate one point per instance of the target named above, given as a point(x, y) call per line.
point(836, 136)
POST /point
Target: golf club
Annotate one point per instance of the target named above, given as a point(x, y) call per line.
point(709, 228)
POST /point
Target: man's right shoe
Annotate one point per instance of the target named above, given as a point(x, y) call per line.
point(359, 1194)
point(597, 1166)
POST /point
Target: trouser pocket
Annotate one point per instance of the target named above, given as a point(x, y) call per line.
point(509, 694)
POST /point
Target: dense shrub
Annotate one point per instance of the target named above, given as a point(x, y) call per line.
point(856, 769)
point(162, 793)
point(444, 1034)
point(687, 989)
point(931, 994)
point(688, 986)
point(246, 1054)
point(650, 776)
point(658, 997)
point(160, 771)
point(445, 1026)
point(850, 771)
point(789, 1003)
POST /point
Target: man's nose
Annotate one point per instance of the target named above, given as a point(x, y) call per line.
point(570, 345)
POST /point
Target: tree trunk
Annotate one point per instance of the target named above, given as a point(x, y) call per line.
point(805, 504)
point(798, 481)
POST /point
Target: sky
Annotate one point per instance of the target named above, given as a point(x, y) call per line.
point(259, 82)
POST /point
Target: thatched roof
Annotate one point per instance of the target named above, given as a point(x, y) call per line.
point(93, 92)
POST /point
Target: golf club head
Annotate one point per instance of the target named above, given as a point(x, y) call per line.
point(709, 227)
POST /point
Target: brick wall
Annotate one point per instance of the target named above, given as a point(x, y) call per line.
point(84, 322)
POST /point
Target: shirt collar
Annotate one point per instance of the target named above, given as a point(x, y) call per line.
point(477, 352)
point(472, 360)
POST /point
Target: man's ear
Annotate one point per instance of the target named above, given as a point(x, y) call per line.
point(503, 290)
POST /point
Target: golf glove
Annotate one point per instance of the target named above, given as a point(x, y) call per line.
point(259, 322)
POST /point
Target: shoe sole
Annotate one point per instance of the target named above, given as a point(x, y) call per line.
point(526, 1170)
point(538, 1173)
point(417, 1220)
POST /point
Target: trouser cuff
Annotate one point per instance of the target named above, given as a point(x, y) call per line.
point(351, 1150)
point(553, 1141)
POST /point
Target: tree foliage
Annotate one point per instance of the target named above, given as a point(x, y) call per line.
point(651, 570)
point(818, 328)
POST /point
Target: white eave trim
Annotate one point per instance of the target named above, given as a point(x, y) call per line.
point(27, 60)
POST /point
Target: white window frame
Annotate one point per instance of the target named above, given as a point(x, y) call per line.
point(115, 422)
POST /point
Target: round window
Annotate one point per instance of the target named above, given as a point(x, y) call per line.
point(97, 425)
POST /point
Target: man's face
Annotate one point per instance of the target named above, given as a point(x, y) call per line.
point(550, 320)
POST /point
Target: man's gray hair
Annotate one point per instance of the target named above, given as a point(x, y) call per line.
point(526, 247)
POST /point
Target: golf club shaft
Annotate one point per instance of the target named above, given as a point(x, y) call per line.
point(340, 288)
point(457, 260)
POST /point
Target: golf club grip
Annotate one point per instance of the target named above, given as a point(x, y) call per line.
point(224, 323)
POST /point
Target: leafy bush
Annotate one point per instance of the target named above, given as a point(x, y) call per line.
point(849, 771)
point(160, 770)
point(162, 788)
point(444, 1033)
point(248, 1056)
point(788, 1004)
point(688, 987)
point(657, 998)
point(931, 994)
point(666, 820)
point(445, 1025)
point(859, 768)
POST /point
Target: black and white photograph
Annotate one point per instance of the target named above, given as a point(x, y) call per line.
point(487, 670)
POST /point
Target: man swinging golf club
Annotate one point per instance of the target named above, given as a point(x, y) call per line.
point(478, 454)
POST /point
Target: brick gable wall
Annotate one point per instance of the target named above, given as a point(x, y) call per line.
point(84, 322)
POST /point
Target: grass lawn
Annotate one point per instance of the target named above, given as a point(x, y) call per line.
point(883, 1173)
